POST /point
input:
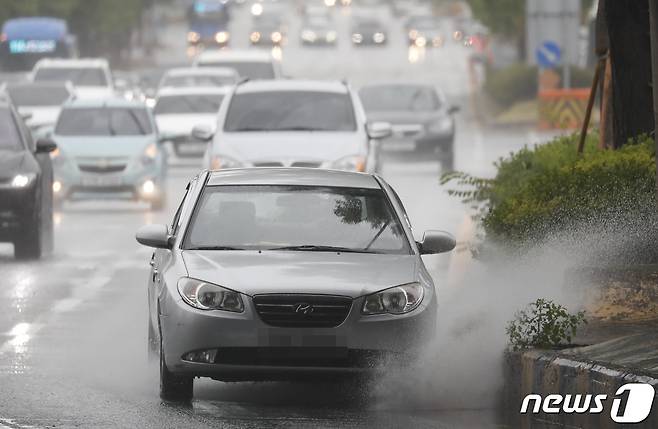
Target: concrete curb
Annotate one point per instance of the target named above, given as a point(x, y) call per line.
point(549, 372)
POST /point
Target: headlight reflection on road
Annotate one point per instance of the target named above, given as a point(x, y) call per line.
point(416, 54)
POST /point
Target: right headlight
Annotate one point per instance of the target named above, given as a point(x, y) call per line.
point(207, 296)
point(396, 300)
point(221, 162)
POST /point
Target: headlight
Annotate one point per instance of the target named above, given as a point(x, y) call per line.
point(413, 34)
point(222, 37)
point(220, 162)
point(257, 9)
point(207, 296)
point(23, 180)
point(351, 163)
point(193, 37)
point(276, 37)
point(379, 37)
point(331, 36)
point(421, 42)
point(357, 38)
point(309, 35)
point(441, 125)
point(150, 153)
point(397, 300)
point(255, 37)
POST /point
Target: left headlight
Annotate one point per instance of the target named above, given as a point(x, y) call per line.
point(397, 300)
point(150, 153)
point(23, 180)
point(207, 296)
point(222, 37)
point(351, 163)
point(441, 125)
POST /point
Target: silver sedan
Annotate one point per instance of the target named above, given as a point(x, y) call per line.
point(287, 273)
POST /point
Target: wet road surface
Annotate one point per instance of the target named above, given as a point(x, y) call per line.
point(73, 326)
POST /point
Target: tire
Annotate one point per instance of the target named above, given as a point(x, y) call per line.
point(30, 244)
point(174, 388)
point(47, 216)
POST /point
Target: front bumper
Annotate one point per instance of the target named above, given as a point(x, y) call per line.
point(247, 349)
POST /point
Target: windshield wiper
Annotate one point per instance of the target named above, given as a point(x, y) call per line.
point(215, 248)
point(316, 248)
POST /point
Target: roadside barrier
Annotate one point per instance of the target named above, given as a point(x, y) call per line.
point(562, 108)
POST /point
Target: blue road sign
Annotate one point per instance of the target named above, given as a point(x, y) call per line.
point(549, 54)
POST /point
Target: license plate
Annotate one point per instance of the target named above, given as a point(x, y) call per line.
point(191, 148)
point(32, 46)
point(399, 146)
point(101, 181)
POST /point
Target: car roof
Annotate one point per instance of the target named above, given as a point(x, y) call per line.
point(116, 102)
point(201, 71)
point(194, 90)
point(245, 56)
point(46, 84)
point(293, 177)
point(292, 85)
point(77, 62)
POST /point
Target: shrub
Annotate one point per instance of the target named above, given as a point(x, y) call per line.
point(548, 188)
point(543, 324)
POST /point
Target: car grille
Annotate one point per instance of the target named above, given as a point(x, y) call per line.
point(95, 168)
point(302, 311)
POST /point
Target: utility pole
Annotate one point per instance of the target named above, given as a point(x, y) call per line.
point(653, 27)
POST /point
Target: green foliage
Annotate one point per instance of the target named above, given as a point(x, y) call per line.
point(505, 17)
point(548, 188)
point(543, 324)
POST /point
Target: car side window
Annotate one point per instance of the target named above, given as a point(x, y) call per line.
point(25, 134)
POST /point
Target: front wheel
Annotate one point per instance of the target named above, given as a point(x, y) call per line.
point(175, 388)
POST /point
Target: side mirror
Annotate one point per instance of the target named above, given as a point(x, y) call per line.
point(203, 133)
point(379, 130)
point(436, 242)
point(46, 145)
point(453, 109)
point(156, 236)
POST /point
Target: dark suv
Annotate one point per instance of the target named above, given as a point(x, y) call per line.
point(26, 181)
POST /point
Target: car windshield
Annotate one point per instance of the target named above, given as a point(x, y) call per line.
point(424, 23)
point(9, 137)
point(103, 121)
point(307, 218)
point(26, 96)
point(254, 70)
point(78, 76)
point(198, 80)
point(188, 104)
point(400, 98)
point(290, 111)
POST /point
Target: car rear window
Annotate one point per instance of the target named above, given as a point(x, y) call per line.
point(414, 98)
point(188, 104)
point(78, 76)
point(104, 121)
point(254, 70)
point(290, 111)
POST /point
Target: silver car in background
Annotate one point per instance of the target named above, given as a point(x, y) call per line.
point(293, 123)
point(420, 115)
point(39, 103)
point(282, 273)
point(249, 64)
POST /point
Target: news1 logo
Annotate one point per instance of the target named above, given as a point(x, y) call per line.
point(632, 403)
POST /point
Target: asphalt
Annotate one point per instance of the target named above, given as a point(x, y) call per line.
point(73, 326)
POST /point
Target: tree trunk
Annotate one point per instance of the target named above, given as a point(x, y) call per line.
point(653, 21)
point(630, 47)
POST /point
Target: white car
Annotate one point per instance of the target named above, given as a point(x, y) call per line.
point(199, 76)
point(178, 110)
point(248, 64)
point(293, 123)
point(39, 103)
point(91, 77)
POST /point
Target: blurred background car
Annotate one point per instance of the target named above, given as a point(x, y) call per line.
point(39, 103)
point(267, 30)
point(420, 116)
point(248, 64)
point(190, 77)
point(293, 123)
point(368, 31)
point(319, 30)
point(26, 183)
point(178, 110)
point(425, 31)
point(208, 24)
point(108, 147)
point(91, 77)
point(26, 40)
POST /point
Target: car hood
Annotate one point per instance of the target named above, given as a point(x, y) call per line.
point(283, 146)
point(11, 163)
point(41, 116)
point(399, 117)
point(103, 147)
point(176, 125)
point(347, 274)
